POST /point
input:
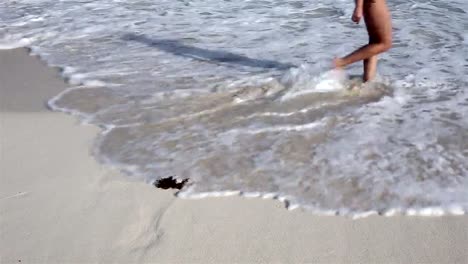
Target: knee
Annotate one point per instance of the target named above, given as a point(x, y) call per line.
point(383, 46)
point(386, 44)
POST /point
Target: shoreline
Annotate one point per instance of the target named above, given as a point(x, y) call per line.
point(452, 210)
point(59, 205)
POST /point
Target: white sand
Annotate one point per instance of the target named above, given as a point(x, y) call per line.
point(57, 205)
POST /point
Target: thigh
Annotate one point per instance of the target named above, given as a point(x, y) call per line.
point(378, 20)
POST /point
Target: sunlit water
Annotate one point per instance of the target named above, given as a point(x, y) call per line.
point(237, 96)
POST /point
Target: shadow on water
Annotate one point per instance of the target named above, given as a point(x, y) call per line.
point(175, 47)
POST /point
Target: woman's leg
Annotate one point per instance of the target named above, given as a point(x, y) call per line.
point(363, 53)
point(370, 66)
point(379, 27)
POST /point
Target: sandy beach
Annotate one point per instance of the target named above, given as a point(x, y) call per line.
point(58, 205)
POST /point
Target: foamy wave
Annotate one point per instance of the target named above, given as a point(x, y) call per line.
point(278, 129)
point(300, 81)
point(225, 102)
point(11, 43)
point(286, 200)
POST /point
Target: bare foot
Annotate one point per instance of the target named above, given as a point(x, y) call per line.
point(338, 63)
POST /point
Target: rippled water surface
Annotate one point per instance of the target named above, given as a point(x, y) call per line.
point(237, 96)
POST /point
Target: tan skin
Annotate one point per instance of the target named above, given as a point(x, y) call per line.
point(379, 27)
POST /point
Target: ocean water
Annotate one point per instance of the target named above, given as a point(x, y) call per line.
point(238, 97)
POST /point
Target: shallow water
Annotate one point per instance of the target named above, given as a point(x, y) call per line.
point(237, 96)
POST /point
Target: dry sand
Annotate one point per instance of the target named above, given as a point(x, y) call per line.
point(58, 205)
